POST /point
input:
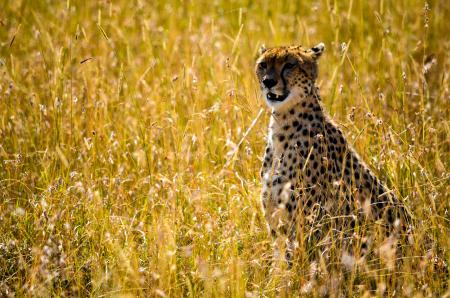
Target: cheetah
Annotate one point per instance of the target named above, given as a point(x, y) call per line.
point(312, 178)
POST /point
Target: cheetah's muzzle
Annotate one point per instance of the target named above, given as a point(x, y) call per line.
point(273, 97)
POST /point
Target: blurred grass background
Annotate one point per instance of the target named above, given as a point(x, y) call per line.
point(124, 164)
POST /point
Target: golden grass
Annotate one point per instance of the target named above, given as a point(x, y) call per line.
point(124, 164)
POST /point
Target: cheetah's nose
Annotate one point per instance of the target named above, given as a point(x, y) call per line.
point(269, 83)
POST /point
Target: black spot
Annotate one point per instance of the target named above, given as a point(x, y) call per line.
point(310, 117)
point(281, 138)
point(286, 127)
point(286, 146)
point(310, 105)
point(315, 165)
point(291, 136)
point(292, 112)
point(313, 192)
point(347, 209)
point(304, 132)
point(308, 172)
point(295, 123)
point(357, 175)
point(304, 103)
point(314, 179)
point(306, 144)
point(289, 207)
point(322, 170)
point(390, 215)
point(294, 160)
point(273, 233)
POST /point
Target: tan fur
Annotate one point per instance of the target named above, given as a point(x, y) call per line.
point(310, 173)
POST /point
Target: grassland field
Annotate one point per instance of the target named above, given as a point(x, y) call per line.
point(131, 137)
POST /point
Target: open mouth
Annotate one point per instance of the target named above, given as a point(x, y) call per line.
point(274, 97)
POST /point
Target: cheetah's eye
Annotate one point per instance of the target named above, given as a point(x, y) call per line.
point(263, 65)
point(289, 65)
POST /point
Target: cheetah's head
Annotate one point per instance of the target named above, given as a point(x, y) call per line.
point(287, 74)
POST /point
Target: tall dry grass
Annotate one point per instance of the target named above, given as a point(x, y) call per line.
point(127, 166)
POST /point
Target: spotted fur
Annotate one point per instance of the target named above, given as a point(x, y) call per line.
point(311, 175)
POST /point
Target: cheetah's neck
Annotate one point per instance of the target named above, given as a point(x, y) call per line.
point(308, 106)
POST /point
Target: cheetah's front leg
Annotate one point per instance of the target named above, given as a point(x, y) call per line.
point(277, 197)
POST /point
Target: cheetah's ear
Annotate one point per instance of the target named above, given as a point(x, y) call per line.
point(317, 50)
point(262, 49)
